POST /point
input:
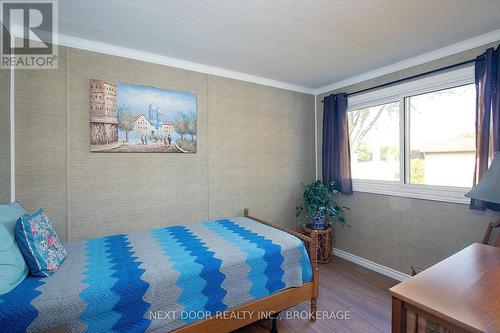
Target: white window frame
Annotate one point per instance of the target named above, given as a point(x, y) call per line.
point(398, 93)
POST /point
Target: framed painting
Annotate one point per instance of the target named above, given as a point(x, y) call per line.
point(129, 118)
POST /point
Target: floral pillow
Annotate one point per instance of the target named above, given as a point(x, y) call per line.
point(39, 243)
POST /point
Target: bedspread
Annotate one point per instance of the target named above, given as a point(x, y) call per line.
point(160, 280)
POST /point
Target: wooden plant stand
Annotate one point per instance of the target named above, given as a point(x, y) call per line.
point(325, 242)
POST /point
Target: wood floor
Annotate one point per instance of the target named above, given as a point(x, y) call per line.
point(345, 288)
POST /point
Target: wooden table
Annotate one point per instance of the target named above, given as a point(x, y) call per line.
point(461, 293)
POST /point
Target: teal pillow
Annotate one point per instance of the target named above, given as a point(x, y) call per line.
point(13, 268)
point(9, 214)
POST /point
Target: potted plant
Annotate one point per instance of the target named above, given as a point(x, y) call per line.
point(319, 206)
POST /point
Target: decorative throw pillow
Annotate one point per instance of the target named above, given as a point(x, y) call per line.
point(39, 243)
point(13, 269)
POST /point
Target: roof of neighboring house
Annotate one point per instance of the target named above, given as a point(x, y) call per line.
point(139, 116)
point(167, 123)
point(450, 146)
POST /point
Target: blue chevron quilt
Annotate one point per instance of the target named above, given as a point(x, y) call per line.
point(158, 280)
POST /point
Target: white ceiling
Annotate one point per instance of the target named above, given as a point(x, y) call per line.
point(310, 43)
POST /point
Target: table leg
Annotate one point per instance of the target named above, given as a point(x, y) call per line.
point(398, 316)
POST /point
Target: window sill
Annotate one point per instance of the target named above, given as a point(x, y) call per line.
point(425, 192)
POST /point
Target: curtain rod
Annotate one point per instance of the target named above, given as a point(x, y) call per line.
point(410, 77)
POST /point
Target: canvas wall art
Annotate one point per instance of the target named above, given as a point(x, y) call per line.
point(129, 118)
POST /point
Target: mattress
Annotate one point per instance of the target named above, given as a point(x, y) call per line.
point(158, 280)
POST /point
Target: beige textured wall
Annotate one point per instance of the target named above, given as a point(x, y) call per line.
point(40, 134)
point(269, 153)
point(256, 144)
point(398, 232)
point(4, 137)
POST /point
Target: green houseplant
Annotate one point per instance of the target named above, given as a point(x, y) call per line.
point(319, 206)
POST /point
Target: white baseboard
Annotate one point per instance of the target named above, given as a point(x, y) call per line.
point(392, 273)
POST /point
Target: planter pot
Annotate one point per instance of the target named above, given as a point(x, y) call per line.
point(319, 219)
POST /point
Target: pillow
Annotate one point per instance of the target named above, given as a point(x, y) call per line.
point(39, 243)
point(9, 214)
point(13, 268)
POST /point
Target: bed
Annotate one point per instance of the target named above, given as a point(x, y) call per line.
point(210, 276)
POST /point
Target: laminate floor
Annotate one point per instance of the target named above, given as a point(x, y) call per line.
point(352, 299)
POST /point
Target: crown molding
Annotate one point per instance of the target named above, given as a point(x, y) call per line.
point(89, 45)
point(465, 45)
point(106, 48)
point(124, 52)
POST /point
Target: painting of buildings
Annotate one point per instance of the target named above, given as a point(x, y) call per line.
point(134, 118)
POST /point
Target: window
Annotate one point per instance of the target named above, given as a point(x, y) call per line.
point(441, 137)
point(374, 140)
point(415, 139)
